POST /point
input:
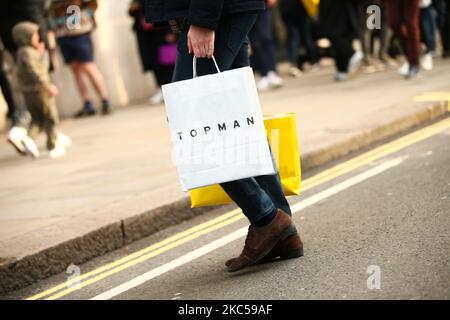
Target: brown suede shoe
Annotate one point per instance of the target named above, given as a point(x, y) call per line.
point(261, 240)
point(290, 248)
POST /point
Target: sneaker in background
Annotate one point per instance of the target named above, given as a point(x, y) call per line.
point(157, 98)
point(315, 67)
point(87, 110)
point(404, 69)
point(15, 138)
point(106, 107)
point(30, 146)
point(57, 152)
point(414, 72)
point(274, 80)
point(63, 140)
point(263, 84)
point(294, 72)
point(427, 62)
point(340, 76)
point(355, 63)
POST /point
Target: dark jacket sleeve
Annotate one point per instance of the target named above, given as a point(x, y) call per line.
point(205, 13)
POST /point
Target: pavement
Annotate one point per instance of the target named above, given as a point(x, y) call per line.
point(375, 226)
point(118, 184)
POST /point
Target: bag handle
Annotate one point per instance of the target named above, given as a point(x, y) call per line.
point(194, 66)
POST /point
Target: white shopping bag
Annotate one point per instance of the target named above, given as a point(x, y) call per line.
point(217, 128)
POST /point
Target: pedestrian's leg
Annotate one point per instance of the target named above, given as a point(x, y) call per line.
point(342, 46)
point(271, 184)
point(395, 19)
point(446, 29)
point(159, 76)
point(410, 17)
point(433, 27)
point(428, 26)
point(35, 128)
point(81, 81)
point(261, 39)
point(33, 102)
point(96, 78)
point(356, 15)
point(439, 7)
point(292, 37)
point(51, 121)
point(163, 75)
point(305, 27)
point(7, 93)
point(383, 33)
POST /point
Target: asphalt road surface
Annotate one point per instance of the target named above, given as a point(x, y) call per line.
point(375, 227)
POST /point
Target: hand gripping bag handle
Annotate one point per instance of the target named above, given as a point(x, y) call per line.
point(194, 66)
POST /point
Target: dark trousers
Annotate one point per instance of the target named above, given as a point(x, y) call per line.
point(403, 17)
point(381, 34)
point(44, 116)
point(428, 27)
point(358, 15)
point(343, 50)
point(8, 94)
point(263, 46)
point(443, 19)
point(446, 33)
point(259, 196)
point(298, 23)
point(163, 74)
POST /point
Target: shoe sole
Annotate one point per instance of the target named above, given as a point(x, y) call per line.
point(292, 254)
point(84, 115)
point(283, 236)
point(22, 152)
point(31, 153)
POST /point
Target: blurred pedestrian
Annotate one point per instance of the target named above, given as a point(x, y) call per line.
point(15, 11)
point(75, 42)
point(403, 17)
point(336, 23)
point(380, 33)
point(220, 28)
point(428, 31)
point(358, 16)
point(263, 49)
point(38, 90)
point(11, 13)
point(157, 48)
point(298, 24)
point(17, 132)
point(442, 8)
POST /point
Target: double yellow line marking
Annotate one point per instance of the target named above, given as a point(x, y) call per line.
point(228, 218)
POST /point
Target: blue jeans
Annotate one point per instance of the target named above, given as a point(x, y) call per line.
point(298, 23)
point(442, 8)
point(428, 26)
point(261, 38)
point(292, 37)
point(259, 196)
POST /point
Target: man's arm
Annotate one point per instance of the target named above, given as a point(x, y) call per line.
point(205, 13)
